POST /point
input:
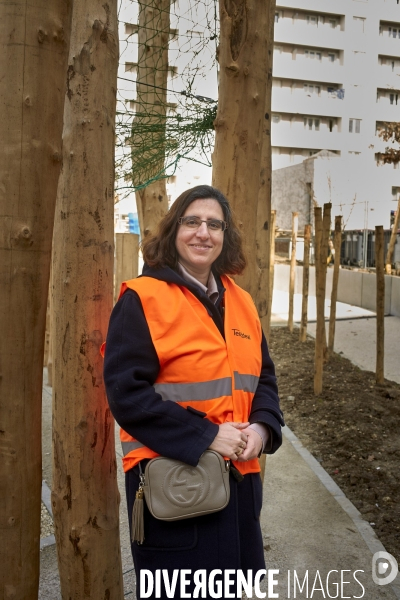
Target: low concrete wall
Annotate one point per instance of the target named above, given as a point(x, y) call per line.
point(354, 288)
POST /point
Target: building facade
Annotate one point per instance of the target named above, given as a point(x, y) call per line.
point(336, 81)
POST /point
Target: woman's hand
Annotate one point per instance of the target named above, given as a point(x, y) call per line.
point(230, 440)
point(253, 447)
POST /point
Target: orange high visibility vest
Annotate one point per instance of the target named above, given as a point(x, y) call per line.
point(198, 367)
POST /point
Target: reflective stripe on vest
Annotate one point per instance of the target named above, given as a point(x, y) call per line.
point(206, 390)
point(189, 346)
point(129, 446)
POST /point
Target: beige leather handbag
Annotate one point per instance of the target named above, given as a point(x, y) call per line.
point(174, 490)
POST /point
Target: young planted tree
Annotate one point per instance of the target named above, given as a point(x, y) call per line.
point(306, 279)
point(239, 125)
point(34, 41)
point(292, 275)
point(392, 241)
point(151, 107)
point(85, 496)
point(380, 305)
point(391, 133)
point(335, 283)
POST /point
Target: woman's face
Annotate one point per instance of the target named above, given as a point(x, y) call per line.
point(199, 248)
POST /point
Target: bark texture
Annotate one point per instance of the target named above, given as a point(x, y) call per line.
point(239, 126)
point(151, 105)
point(85, 496)
point(264, 221)
point(34, 40)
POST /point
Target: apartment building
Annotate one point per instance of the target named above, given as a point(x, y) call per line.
point(336, 81)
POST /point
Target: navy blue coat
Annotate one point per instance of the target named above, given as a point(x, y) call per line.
point(230, 538)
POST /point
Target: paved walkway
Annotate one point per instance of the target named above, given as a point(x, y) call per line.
point(308, 525)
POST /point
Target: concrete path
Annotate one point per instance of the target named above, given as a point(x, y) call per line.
point(308, 524)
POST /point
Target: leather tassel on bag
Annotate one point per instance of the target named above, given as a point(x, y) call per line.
point(137, 518)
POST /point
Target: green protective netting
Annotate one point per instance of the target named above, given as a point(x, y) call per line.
point(168, 119)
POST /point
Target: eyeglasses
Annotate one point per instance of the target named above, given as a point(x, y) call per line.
point(195, 223)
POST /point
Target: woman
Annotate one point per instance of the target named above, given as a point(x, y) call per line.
point(187, 369)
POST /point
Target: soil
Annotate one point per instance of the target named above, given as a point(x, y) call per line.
point(352, 428)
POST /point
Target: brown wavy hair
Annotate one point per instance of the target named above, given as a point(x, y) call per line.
point(159, 249)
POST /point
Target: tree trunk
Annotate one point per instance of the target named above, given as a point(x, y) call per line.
point(264, 220)
point(380, 304)
point(151, 107)
point(267, 330)
point(244, 63)
point(126, 259)
point(34, 41)
point(335, 282)
point(85, 496)
point(320, 300)
point(392, 241)
point(306, 279)
point(292, 276)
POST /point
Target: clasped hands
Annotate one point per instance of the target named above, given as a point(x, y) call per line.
point(237, 442)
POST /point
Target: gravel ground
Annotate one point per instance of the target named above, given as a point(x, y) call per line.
point(46, 523)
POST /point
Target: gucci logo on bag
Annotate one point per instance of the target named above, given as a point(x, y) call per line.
point(186, 486)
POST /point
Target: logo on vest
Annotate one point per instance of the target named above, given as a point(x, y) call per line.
point(240, 334)
point(185, 485)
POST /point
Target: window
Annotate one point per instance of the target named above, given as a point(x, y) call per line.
point(393, 98)
point(312, 89)
point(313, 54)
point(331, 57)
point(332, 23)
point(354, 125)
point(276, 17)
point(312, 20)
point(359, 24)
point(331, 124)
point(311, 124)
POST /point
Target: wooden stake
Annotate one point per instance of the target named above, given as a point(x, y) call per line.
point(271, 271)
point(392, 241)
point(306, 279)
point(326, 230)
point(320, 300)
point(295, 225)
point(380, 304)
point(126, 259)
point(335, 281)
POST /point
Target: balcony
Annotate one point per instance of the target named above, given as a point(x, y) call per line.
point(321, 36)
point(302, 68)
point(298, 137)
point(297, 101)
point(389, 46)
point(387, 112)
point(319, 6)
point(385, 77)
